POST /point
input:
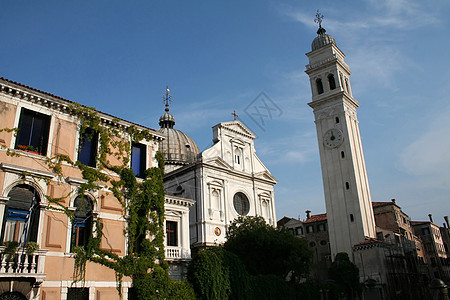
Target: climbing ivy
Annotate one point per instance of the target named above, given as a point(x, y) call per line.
point(142, 202)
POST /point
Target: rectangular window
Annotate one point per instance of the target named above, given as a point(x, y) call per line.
point(15, 224)
point(33, 132)
point(87, 148)
point(172, 233)
point(299, 231)
point(310, 229)
point(138, 159)
point(78, 294)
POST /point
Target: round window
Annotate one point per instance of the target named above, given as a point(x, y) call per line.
point(241, 204)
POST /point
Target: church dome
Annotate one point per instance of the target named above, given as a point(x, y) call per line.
point(322, 39)
point(178, 148)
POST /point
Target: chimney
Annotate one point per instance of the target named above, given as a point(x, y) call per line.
point(431, 217)
point(446, 221)
point(308, 214)
point(393, 201)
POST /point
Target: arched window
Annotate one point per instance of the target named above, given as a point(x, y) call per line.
point(82, 223)
point(215, 199)
point(237, 156)
point(21, 219)
point(346, 85)
point(319, 86)
point(331, 82)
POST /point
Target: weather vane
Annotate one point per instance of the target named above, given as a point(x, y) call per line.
point(234, 114)
point(167, 98)
point(318, 19)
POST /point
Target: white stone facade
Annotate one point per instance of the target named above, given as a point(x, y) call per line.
point(226, 181)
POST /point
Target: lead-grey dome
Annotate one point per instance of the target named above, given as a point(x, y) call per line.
point(178, 147)
point(322, 39)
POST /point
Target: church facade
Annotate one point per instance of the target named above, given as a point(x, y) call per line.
point(226, 181)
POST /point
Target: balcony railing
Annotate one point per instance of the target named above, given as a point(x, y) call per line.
point(21, 264)
point(173, 252)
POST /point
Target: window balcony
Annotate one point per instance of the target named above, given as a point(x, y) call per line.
point(173, 253)
point(22, 265)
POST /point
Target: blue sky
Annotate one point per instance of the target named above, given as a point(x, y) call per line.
point(217, 56)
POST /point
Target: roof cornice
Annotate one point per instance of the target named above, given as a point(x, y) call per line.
point(26, 93)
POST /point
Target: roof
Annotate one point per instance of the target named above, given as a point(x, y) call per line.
point(419, 223)
point(316, 218)
point(368, 241)
point(376, 204)
point(283, 221)
point(73, 102)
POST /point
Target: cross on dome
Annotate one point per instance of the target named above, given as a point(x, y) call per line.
point(319, 18)
point(167, 98)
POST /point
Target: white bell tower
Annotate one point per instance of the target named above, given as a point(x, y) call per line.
point(346, 187)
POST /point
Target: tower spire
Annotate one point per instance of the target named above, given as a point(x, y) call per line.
point(167, 120)
point(167, 98)
point(318, 20)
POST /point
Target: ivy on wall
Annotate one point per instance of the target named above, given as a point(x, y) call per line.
point(142, 204)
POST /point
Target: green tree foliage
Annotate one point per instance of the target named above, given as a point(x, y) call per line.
point(346, 276)
point(267, 250)
point(253, 264)
point(210, 275)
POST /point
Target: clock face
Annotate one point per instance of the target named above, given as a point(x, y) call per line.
point(333, 138)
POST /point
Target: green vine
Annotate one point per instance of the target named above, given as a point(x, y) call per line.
point(142, 204)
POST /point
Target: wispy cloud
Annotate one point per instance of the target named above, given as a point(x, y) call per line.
point(298, 148)
point(428, 156)
point(381, 20)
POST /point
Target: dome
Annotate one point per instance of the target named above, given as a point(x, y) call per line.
point(322, 39)
point(178, 147)
point(166, 119)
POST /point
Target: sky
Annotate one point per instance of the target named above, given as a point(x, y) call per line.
point(221, 56)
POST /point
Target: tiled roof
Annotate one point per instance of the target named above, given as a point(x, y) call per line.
point(72, 102)
point(316, 218)
point(368, 241)
point(281, 222)
point(419, 222)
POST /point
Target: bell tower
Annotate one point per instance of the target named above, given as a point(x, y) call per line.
point(346, 187)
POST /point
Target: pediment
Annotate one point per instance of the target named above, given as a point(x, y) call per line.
point(219, 162)
point(266, 176)
point(239, 128)
point(173, 213)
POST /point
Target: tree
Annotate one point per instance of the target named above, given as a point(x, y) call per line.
point(346, 275)
point(142, 203)
point(266, 250)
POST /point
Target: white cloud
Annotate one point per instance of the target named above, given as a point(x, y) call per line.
point(428, 156)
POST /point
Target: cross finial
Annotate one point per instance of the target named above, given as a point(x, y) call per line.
point(167, 98)
point(318, 19)
point(234, 114)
